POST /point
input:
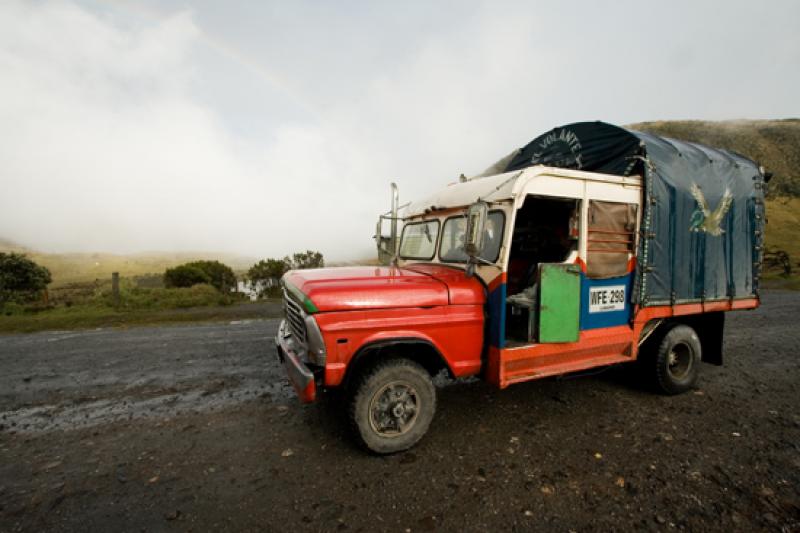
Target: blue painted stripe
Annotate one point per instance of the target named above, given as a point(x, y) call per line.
point(497, 316)
point(605, 319)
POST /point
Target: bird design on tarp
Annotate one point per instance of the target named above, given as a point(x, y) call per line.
point(703, 219)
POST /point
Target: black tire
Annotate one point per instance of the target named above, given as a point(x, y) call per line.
point(673, 363)
point(392, 405)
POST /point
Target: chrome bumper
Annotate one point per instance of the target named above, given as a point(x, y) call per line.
point(300, 376)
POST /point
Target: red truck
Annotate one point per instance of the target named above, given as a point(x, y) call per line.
point(592, 245)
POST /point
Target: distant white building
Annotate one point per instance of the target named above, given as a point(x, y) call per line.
point(252, 290)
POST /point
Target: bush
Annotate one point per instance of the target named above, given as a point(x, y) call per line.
point(199, 295)
point(11, 309)
point(219, 275)
point(133, 298)
point(21, 279)
point(185, 276)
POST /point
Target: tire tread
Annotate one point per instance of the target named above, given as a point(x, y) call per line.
point(360, 387)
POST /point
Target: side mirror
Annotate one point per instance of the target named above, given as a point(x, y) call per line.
point(476, 222)
point(384, 243)
point(387, 246)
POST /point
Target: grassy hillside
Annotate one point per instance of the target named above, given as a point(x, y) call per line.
point(783, 230)
point(81, 297)
point(82, 267)
point(773, 143)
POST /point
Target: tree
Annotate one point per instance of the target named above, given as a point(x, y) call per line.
point(185, 276)
point(220, 275)
point(265, 274)
point(21, 278)
point(307, 259)
point(267, 269)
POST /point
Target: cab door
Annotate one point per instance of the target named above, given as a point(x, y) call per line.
point(559, 302)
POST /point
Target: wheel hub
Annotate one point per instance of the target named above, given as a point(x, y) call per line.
point(679, 360)
point(393, 409)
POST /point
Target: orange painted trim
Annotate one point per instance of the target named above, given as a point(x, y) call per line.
point(499, 280)
point(643, 315)
point(751, 303)
point(630, 268)
point(307, 394)
point(631, 264)
point(595, 347)
point(439, 212)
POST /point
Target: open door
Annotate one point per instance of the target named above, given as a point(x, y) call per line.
point(559, 303)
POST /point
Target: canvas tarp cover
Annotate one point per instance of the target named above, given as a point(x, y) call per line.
point(702, 222)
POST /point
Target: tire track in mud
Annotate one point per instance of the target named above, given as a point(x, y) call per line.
point(59, 381)
point(81, 415)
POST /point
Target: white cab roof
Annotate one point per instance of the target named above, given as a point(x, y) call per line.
point(502, 187)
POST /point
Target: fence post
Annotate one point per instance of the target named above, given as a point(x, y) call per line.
point(115, 287)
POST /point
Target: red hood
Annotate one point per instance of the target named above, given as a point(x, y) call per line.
point(352, 288)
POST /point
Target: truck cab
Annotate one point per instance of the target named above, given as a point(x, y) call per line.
point(515, 276)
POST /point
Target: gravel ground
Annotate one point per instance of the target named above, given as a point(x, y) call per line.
point(195, 428)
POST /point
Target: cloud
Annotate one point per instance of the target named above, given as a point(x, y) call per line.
point(263, 130)
point(106, 147)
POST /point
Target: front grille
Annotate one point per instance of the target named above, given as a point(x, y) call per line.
point(295, 318)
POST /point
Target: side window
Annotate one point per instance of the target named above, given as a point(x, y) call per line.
point(493, 235)
point(611, 237)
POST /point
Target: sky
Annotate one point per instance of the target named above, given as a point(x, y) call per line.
point(266, 128)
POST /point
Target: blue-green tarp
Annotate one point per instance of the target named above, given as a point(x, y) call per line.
point(702, 227)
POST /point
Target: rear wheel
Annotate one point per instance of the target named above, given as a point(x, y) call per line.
point(392, 406)
point(674, 362)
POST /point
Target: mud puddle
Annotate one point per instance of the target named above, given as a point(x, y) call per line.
point(73, 415)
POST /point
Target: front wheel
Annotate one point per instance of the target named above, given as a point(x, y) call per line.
point(392, 406)
point(674, 365)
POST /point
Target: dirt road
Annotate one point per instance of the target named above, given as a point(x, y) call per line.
point(194, 428)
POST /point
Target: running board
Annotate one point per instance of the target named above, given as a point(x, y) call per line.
point(567, 368)
point(599, 347)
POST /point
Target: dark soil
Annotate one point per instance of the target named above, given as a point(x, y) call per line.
point(194, 428)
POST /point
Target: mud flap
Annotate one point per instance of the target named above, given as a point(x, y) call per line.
point(710, 328)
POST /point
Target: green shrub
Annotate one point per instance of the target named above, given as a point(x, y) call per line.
point(134, 298)
point(219, 275)
point(215, 273)
point(185, 276)
point(197, 296)
point(21, 279)
point(11, 309)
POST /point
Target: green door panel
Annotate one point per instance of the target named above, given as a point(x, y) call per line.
point(559, 308)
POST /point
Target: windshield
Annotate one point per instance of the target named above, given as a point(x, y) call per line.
point(452, 246)
point(419, 240)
